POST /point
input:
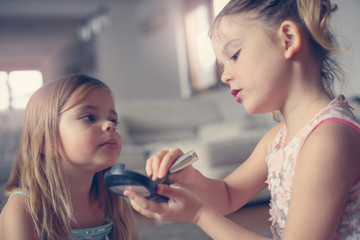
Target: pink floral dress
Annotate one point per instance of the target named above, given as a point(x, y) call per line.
point(282, 162)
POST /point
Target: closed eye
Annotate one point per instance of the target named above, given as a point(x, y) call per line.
point(235, 56)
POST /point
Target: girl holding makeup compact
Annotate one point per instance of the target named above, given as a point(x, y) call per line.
point(276, 57)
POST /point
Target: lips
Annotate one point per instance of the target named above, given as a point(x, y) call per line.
point(236, 93)
point(110, 143)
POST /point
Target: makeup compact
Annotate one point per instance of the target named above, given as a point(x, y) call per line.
point(117, 179)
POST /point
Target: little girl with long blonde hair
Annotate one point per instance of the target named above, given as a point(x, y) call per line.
point(56, 188)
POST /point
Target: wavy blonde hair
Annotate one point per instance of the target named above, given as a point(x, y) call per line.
point(312, 16)
point(37, 169)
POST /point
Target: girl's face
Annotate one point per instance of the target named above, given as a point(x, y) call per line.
point(88, 133)
point(253, 64)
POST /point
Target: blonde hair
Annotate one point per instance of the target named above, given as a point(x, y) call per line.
point(312, 16)
point(37, 169)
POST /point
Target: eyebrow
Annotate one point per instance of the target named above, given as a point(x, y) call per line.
point(93, 107)
point(226, 46)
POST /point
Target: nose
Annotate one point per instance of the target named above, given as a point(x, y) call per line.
point(226, 77)
point(109, 126)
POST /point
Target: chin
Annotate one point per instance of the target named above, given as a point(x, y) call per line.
point(256, 109)
point(253, 111)
point(108, 163)
point(111, 162)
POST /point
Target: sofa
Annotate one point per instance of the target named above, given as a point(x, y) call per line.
point(223, 138)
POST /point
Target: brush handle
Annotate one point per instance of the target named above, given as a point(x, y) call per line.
point(184, 161)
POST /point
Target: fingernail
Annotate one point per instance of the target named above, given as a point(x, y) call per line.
point(161, 174)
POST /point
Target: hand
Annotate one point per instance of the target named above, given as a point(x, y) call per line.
point(158, 165)
point(183, 205)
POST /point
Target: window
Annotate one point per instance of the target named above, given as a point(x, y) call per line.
point(16, 87)
point(202, 61)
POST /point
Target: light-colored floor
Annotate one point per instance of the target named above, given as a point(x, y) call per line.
point(252, 217)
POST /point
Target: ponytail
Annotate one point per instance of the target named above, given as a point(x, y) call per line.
point(315, 15)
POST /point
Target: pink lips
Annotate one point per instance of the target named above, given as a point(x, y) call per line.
point(236, 94)
point(110, 143)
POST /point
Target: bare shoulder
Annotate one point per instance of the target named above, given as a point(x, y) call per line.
point(326, 168)
point(15, 220)
point(329, 157)
point(337, 145)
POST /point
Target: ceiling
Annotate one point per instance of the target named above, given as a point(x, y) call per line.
point(51, 8)
point(33, 30)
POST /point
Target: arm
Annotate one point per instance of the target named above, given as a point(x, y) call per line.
point(243, 184)
point(16, 222)
point(185, 206)
point(327, 166)
point(225, 196)
point(219, 227)
point(212, 197)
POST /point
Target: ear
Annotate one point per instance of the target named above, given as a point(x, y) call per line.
point(290, 35)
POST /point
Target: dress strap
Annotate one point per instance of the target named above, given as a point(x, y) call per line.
point(347, 122)
point(279, 140)
point(18, 192)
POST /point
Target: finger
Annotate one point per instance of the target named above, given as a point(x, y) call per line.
point(148, 167)
point(153, 164)
point(158, 165)
point(169, 159)
point(138, 207)
point(146, 207)
point(172, 192)
point(139, 203)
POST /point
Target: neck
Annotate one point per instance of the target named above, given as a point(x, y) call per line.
point(79, 187)
point(86, 210)
point(307, 97)
point(297, 116)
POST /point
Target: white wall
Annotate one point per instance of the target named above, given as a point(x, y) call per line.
point(139, 63)
point(346, 24)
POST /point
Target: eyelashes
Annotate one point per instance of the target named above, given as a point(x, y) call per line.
point(115, 121)
point(91, 118)
point(235, 56)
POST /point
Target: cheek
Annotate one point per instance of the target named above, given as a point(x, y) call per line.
point(67, 143)
point(75, 142)
point(119, 138)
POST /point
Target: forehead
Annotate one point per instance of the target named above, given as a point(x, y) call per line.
point(235, 29)
point(99, 95)
point(98, 99)
point(229, 29)
point(231, 23)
